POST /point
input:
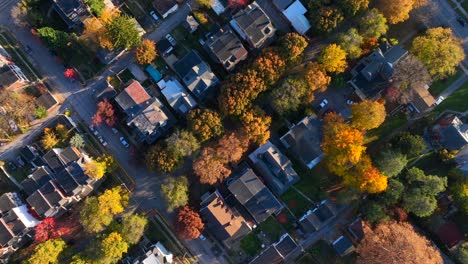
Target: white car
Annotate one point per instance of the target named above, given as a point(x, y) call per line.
point(322, 104)
point(171, 39)
point(124, 142)
point(439, 100)
point(114, 130)
point(94, 130)
point(349, 102)
point(202, 237)
point(103, 142)
point(153, 14)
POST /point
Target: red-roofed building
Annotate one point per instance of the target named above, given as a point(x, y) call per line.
point(450, 234)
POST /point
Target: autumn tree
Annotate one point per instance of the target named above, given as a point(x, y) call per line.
point(351, 43)
point(327, 19)
point(316, 78)
point(188, 224)
point(182, 143)
point(205, 124)
point(333, 59)
point(133, 228)
point(122, 32)
point(395, 11)
point(409, 144)
point(93, 32)
point(209, 167)
point(95, 169)
point(45, 230)
point(391, 162)
point(292, 45)
point(175, 191)
point(158, 158)
point(109, 161)
point(440, 50)
point(393, 242)
point(290, 95)
point(342, 144)
point(61, 131)
point(352, 7)
point(49, 139)
point(112, 247)
point(269, 65)
point(459, 189)
point(410, 73)
point(47, 252)
point(367, 115)
point(105, 113)
point(256, 125)
point(77, 141)
point(365, 177)
point(373, 24)
point(231, 147)
point(146, 52)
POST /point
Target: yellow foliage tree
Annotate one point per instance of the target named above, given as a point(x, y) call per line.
point(113, 200)
point(396, 11)
point(316, 78)
point(365, 177)
point(146, 52)
point(112, 248)
point(333, 59)
point(367, 115)
point(49, 140)
point(95, 169)
point(257, 126)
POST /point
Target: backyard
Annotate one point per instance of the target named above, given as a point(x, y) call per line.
point(296, 202)
point(390, 124)
point(251, 244)
point(322, 253)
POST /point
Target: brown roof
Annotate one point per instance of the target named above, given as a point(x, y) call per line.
point(421, 98)
point(137, 93)
point(225, 216)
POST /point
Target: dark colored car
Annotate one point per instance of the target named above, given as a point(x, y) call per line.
point(461, 21)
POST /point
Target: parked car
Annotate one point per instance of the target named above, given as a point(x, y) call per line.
point(94, 130)
point(202, 237)
point(171, 39)
point(124, 142)
point(439, 100)
point(114, 130)
point(28, 50)
point(103, 142)
point(153, 14)
point(461, 21)
point(322, 104)
point(349, 102)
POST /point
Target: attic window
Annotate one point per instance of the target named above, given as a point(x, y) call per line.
point(267, 31)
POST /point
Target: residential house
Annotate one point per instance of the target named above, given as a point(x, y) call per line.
point(314, 220)
point(73, 181)
point(224, 222)
point(343, 246)
point(47, 100)
point(36, 179)
point(176, 95)
point(304, 140)
point(277, 252)
point(450, 235)
point(372, 74)
point(196, 74)
point(165, 7)
point(225, 48)
point(253, 194)
point(48, 200)
point(219, 6)
point(28, 153)
point(253, 25)
point(191, 24)
point(356, 230)
point(164, 47)
point(294, 11)
point(16, 224)
point(275, 168)
point(157, 254)
point(421, 100)
point(72, 12)
point(11, 75)
point(58, 158)
point(451, 132)
point(148, 117)
point(462, 160)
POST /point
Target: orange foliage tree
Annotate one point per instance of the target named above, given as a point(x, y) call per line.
point(367, 115)
point(270, 66)
point(210, 167)
point(231, 147)
point(396, 11)
point(392, 242)
point(292, 46)
point(188, 224)
point(256, 125)
point(205, 124)
point(365, 177)
point(146, 52)
point(316, 78)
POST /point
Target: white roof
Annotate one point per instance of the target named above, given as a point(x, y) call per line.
point(295, 14)
point(27, 219)
point(218, 7)
point(173, 91)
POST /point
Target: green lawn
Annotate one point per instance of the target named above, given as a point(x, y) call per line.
point(431, 164)
point(456, 101)
point(323, 253)
point(390, 124)
point(272, 228)
point(250, 244)
point(315, 182)
point(296, 202)
point(439, 86)
point(126, 76)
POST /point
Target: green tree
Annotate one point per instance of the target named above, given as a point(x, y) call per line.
point(47, 252)
point(440, 50)
point(462, 253)
point(292, 46)
point(352, 7)
point(460, 193)
point(133, 228)
point(373, 24)
point(289, 95)
point(122, 32)
point(40, 112)
point(327, 19)
point(96, 6)
point(54, 39)
point(175, 191)
point(351, 43)
point(390, 162)
point(333, 59)
point(205, 124)
point(77, 141)
point(410, 145)
point(182, 143)
point(416, 202)
point(374, 212)
point(112, 248)
point(393, 193)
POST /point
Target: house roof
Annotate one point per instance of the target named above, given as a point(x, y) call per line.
point(28, 153)
point(66, 182)
point(256, 198)
point(455, 134)
point(45, 198)
point(282, 4)
point(107, 56)
point(304, 140)
point(72, 11)
point(450, 234)
point(47, 100)
point(314, 219)
point(69, 155)
point(276, 252)
point(254, 23)
point(8, 77)
point(5, 234)
point(191, 24)
point(9, 201)
point(343, 246)
point(421, 98)
point(356, 229)
point(219, 6)
point(295, 13)
point(104, 90)
point(462, 159)
point(222, 221)
point(163, 6)
point(132, 98)
point(163, 46)
point(176, 95)
point(35, 180)
point(275, 168)
point(226, 47)
point(195, 73)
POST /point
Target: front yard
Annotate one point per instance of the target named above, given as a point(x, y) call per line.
point(439, 86)
point(296, 202)
point(390, 124)
point(457, 101)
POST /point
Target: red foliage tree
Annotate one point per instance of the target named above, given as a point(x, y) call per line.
point(46, 230)
point(188, 224)
point(105, 113)
point(69, 73)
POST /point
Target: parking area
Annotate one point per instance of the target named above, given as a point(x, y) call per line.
point(335, 100)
